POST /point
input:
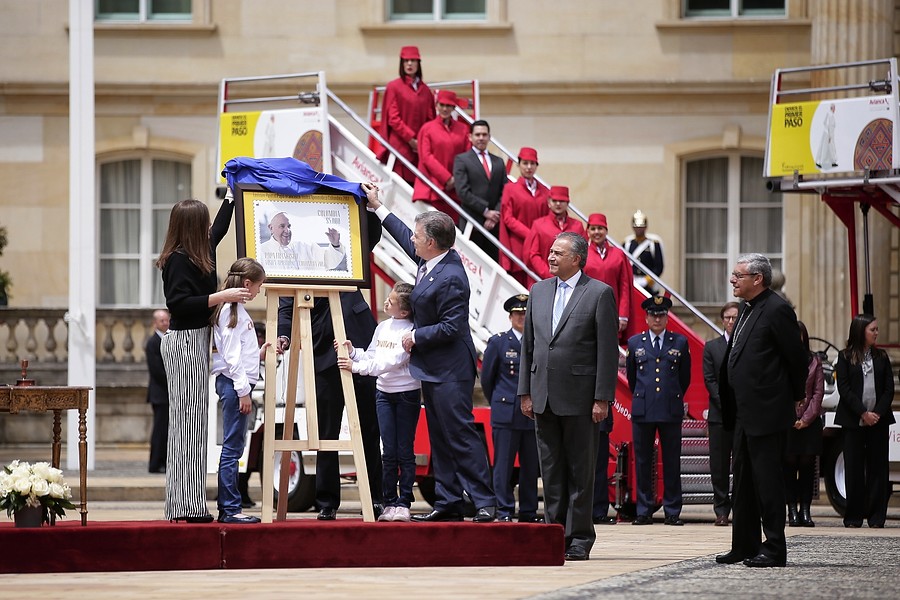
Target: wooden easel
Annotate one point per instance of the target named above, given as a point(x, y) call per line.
point(301, 337)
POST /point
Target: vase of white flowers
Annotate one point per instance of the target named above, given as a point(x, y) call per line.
point(32, 492)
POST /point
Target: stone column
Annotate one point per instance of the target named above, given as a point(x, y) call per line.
point(845, 32)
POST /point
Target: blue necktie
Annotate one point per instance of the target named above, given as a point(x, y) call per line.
point(559, 304)
point(657, 344)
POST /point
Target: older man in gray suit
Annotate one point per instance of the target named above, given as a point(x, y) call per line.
point(568, 378)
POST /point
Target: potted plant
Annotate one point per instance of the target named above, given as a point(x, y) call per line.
point(5, 281)
point(32, 493)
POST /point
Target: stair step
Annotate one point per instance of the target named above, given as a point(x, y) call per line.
point(695, 464)
point(694, 446)
point(691, 428)
point(694, 498)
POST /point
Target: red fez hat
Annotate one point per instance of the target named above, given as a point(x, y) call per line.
point(528, 154)
point(410, 52)
point(597, 219)
point(559, 192)
point(447, 97)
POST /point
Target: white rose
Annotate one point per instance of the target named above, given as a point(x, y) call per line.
point(57, 490)
point(21, 471)
point(42, 470)
point(55, 476)
point(40, 487)
point(22, 486)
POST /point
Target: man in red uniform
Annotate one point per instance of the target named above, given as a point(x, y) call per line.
point(440, 140)
point(408, 104)
point(609, 265)
point(544, 231)
point(522, 203)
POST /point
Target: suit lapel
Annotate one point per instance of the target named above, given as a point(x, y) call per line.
point(577, 293)
point(746, 328)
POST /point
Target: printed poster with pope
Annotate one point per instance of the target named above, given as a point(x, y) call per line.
point(832, 136)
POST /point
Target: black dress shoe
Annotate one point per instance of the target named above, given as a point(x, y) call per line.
point(763, 560)
point(202, 519)
point(437, 516)
point(673, 520)
point(485, 515)
point(576, 553)
point(239, 519)
point(504, 519)
point(327, 514)
point(157, 469)
point(604, 520)
point(531, 519)
point(729, 558)
point(853, 524)
point(643, 520)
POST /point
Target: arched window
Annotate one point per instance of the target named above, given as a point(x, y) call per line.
point(728, 212)
point(136, 197)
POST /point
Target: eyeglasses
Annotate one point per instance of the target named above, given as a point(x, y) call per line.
point(734, 318)
point(740, 276)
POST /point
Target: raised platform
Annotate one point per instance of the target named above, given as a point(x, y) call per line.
point(162, 546)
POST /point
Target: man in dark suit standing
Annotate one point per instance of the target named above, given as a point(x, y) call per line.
point(158, 392)
point(442, 357)
point(720, 441)
point(512, 431)
point(359, 325)
point(659, 372)
point(568, 379)
point(479, 177)
point(764, 377)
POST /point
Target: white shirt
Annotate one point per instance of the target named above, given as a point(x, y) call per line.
point(386, 358)
point(236, 352)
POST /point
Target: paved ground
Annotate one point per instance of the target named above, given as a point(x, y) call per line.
point(827, 561)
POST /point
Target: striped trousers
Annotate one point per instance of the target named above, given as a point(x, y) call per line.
point(185, 355)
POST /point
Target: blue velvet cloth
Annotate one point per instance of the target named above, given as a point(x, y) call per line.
point(287, 176)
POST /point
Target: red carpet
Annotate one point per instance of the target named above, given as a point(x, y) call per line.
point(162, 546)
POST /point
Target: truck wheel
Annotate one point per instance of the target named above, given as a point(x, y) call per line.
point(301, 492)
point(834, 470)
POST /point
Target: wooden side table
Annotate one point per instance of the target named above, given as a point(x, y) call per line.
point(57, 399)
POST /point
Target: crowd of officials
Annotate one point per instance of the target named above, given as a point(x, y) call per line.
point(550, 379)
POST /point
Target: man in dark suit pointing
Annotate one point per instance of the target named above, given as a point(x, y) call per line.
point(764, 375)
point(568, 377)
point(442, 357)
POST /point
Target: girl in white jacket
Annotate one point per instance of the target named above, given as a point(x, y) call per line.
point(236, 357)
point(396, 400)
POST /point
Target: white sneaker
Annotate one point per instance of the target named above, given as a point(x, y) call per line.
point(401, 513)
point(388, 514)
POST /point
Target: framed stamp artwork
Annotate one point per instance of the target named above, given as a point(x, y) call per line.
point(317, 239)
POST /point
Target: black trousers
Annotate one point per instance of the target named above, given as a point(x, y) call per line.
point(159, 436)
point(866, 462)
point(721, 443)
point(330, 396)
point(758, 495)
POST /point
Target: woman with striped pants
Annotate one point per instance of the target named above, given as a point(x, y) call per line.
point(188, 264)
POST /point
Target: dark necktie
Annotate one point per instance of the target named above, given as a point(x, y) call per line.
point(421, 274)
point(657, 345)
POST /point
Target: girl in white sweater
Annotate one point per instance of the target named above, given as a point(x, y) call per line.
point(236, 359)
point(396, 400)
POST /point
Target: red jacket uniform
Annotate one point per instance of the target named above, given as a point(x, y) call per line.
point(615, 271)
point(518, 210)
point(438, 146)
point(404, 111)
point(543, 233)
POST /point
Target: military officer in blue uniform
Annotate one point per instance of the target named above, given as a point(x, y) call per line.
point(513, 432)
point(659, 371)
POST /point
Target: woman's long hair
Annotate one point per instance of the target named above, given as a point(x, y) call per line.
point(243, 268)
point(804, 338)
point(855, 352)
point(189, 233)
